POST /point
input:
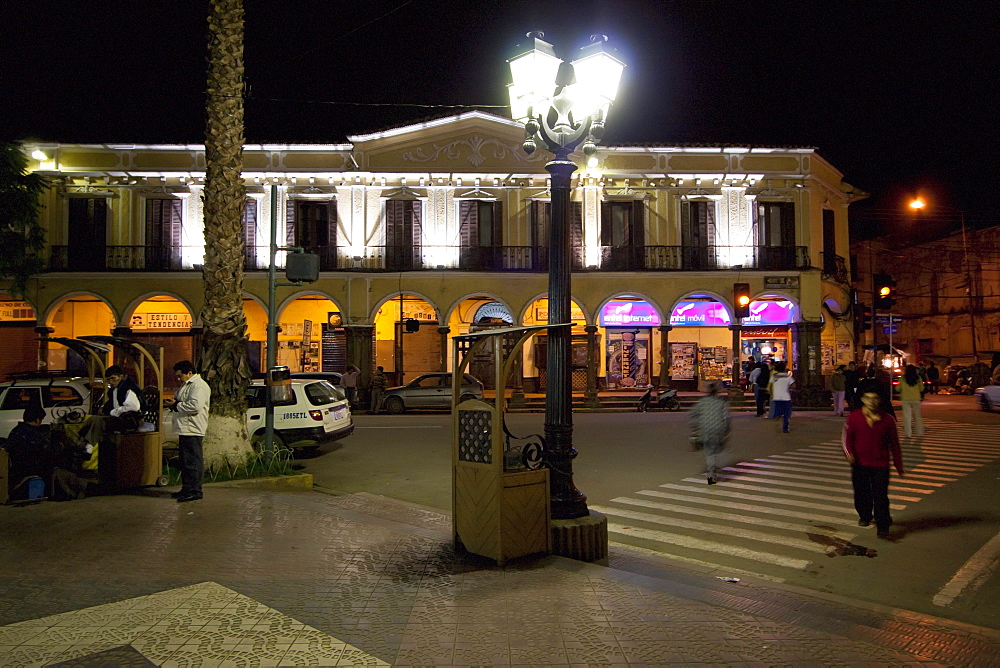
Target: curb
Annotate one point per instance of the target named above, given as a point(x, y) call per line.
point(284, 483)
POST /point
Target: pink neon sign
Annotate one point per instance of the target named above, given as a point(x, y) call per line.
point(628, 314)
point(770, 313)
point(700, 314)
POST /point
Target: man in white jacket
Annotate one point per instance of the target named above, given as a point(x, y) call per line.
point(190, 405)
point(781, 394)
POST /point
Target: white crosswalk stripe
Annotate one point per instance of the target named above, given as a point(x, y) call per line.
point(783, 510)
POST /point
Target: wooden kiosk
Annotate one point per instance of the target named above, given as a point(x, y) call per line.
point(500, 490)
point(134, 459)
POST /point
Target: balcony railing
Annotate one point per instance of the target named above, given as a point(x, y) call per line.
point(454, 258)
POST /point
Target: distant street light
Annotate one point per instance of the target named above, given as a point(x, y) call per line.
point(918, 204)
point(564, 104)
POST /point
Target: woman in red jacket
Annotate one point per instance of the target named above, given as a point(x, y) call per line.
point(870, 439)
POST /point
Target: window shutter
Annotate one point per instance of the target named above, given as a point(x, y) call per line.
point(708, 213)
point(638, 225)
point(415, 227)
point(539, 223)
point(688, 236)
point(576, 234)
point(606, 224)
point(331, 224)
point(290, 223)
point(498, 222)
point(250, 233)
point(468, 230)
point(788, 224)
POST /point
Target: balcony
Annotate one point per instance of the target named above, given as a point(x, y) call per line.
point(532, 259)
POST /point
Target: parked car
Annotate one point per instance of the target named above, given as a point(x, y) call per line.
point(64, 400)
point(317, 413)
point(988, 397)
point(431, 390)
point(331, 377)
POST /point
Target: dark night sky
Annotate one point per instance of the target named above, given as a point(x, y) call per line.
point(900, 96)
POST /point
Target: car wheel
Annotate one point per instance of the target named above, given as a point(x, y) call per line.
point(394, 405)
point(466, 397)
point(257, 441)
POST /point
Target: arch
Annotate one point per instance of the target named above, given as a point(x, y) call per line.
point(703, 295)
point(134, 305)
point(452, 309)
point(777, 295)
point(55, 305)
point(404, 293)
point(632, 296)
point(523, 316)
point(284, 303)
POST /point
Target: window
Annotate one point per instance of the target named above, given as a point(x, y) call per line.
point(402, 235)
point(698, 234)
point(19, 398)
point(776, 224)
point(250, 233)
point(86, 234)
point(541, 216)
point(623, 235)
point(480, 234)
point(322, 394)
point(163, 233)
point(55, 395)
point(829, 242)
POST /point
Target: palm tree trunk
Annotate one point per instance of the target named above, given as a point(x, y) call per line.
point(223, 360)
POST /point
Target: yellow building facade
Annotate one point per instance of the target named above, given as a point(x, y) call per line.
point(431, 230)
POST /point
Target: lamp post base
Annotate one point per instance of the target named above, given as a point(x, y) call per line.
point(584, 538)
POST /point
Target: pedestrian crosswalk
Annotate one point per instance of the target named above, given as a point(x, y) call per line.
point(787, 510)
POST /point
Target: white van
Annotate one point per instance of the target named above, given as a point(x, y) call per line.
point(64, 400)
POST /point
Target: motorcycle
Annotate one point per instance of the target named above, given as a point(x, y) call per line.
point(666, 399)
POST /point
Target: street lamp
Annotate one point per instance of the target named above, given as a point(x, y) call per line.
point(918, 204)
point(564, 104)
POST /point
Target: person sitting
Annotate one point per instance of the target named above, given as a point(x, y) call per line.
point(29, 451)
point(122, 412)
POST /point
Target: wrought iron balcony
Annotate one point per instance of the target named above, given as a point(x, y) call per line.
point(447, 258)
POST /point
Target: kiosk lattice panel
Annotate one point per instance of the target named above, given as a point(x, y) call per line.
point(475, 437)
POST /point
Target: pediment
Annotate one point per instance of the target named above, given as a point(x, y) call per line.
point(474, 142)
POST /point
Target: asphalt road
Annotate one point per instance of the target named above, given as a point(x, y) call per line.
point(784, 513)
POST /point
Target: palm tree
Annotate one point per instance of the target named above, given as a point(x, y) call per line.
point(21, 235)
point(223, 359)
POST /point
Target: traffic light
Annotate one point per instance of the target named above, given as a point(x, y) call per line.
point(741, 299)
point(885, 292)
point(863, 317)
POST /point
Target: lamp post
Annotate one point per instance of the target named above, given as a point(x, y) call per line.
point(919, 204)
point(565, 104)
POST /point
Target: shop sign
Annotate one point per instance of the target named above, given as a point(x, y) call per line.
point(781, 282)
point(628, 314)
point(16, 311)
point(575, 314)
point(160, 321)
point(763, 332)
point(770, 313)
point(700, 314)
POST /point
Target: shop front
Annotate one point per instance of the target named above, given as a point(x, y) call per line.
point(628, 327)
point(701, 344)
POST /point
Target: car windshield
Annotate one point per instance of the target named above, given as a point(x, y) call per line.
point(323, 393)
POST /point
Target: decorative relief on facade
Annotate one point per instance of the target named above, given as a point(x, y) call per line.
point(476, 146)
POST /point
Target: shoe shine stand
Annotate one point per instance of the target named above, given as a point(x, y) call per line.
point(500, 491)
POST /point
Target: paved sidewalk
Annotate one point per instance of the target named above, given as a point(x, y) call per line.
point(248, 578)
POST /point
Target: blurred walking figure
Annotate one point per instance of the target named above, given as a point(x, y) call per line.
point(911, 393)
point(870, 439)
point(851, 380)
point(838, 385)
point(710, 427)
point(759, 379)
point(781, 394)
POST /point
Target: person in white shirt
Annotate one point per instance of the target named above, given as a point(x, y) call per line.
point(781, 394)
point(190, 405)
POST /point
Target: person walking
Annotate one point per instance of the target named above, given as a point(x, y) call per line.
point(870, 439)
point(377, 386)
point(781, 394)
point(851, 380)
point(838, 385)
point(911, 393)
point(759, 379)
point(349, 381)
point(933, 376)
point(190, 406)
point(710, 428)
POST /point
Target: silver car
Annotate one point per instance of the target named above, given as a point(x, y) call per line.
point(431, 390)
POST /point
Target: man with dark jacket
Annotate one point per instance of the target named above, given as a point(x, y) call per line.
point(125, 399)
point(29, 450)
